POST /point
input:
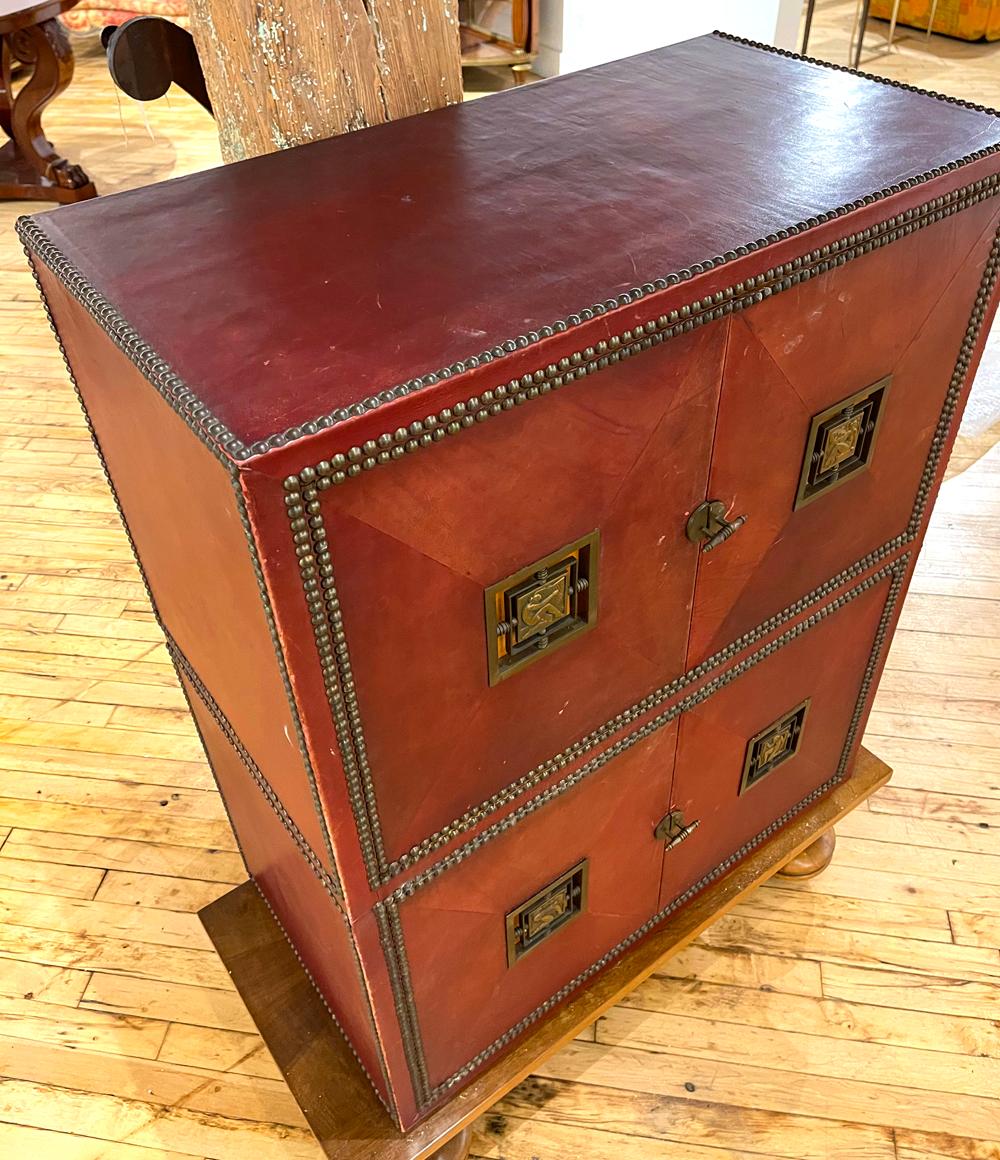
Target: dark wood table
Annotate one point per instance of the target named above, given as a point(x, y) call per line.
point(29, 165)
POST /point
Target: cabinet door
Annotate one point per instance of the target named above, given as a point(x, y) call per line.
point(497, 939)
point(832, 393)
point(591, 482)
point(750, 755)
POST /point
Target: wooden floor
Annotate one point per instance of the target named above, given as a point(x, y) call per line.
point(856, 1017)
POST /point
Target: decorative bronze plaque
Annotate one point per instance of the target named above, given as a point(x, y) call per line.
point(841, 440)
point(773, 746)
point(541, 607)
point(545, 912)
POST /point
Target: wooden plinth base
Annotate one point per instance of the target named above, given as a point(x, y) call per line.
point(325, 1079)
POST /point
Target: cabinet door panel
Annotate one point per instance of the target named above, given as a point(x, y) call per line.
point(759, 746)
point(470, 985)
point(624, 453)
point(892, 320)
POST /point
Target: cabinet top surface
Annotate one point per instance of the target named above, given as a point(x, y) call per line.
point(290, 285)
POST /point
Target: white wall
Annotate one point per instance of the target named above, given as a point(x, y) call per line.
point(576, 34)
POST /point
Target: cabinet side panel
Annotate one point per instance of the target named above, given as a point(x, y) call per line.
point(182, 513)
point(312, 919)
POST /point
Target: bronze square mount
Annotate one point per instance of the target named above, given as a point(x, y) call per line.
point(541, 607)
point(544, 913)
point(841, 441)
point(773, 746)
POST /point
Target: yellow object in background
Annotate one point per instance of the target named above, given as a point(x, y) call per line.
point(968, 19)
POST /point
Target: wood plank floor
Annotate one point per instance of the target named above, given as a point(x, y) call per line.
point(857, 1017)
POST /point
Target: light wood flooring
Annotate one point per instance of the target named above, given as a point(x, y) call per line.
point(857, 1017)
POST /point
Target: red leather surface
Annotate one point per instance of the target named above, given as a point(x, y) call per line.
point(901, 310)
point(414, 553)
point(426, 244)
point(430, 239)
point(180, 507)
point(454, 929)
point(826, 663)
point(301, 903)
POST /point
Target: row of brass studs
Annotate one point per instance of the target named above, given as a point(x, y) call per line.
point(225, 444)
point(251, 546)
point(329, 1010)
point(649, 727)
point(561, 760)
point(319, 585)
point(253, 769)
point(627, 298)
point(213, 433)
point(855, 72)
point(452, 420)
point(391, 938)
point(323, 475)
point(330, 884)
point(957, 384)
point(898, 570)
point(286, 683)
point(869, 675)
point(93, 434)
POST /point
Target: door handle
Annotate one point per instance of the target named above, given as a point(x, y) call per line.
point(708, 526)
point(672, 829)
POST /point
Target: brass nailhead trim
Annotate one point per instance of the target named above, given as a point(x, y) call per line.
point(330, 884)
point(319, 587)
point(225, 444)
point(405, 998)
point(214, 434)
point(652, 726)
point(324, 475)
point(286, 682)
point(253, 769)
point(391, 938)
point(477, 409)
point(251, 547)
point(892, 84)
point(329, 1010)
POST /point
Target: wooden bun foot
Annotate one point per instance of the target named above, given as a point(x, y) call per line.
point(457, 1147)
point(813, 860)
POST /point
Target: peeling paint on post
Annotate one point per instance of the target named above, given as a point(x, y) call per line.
point(283, 72)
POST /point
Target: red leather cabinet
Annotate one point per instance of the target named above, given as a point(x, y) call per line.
point(523, 578)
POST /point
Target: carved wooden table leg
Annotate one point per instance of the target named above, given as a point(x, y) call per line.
point(457, 1147)
point(29, 166)
point(813, 860)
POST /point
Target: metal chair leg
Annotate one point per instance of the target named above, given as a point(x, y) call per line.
point(810, 6)
point(892, 26)
point(860, 24)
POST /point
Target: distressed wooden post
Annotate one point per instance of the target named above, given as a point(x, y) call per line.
point(283, 72)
